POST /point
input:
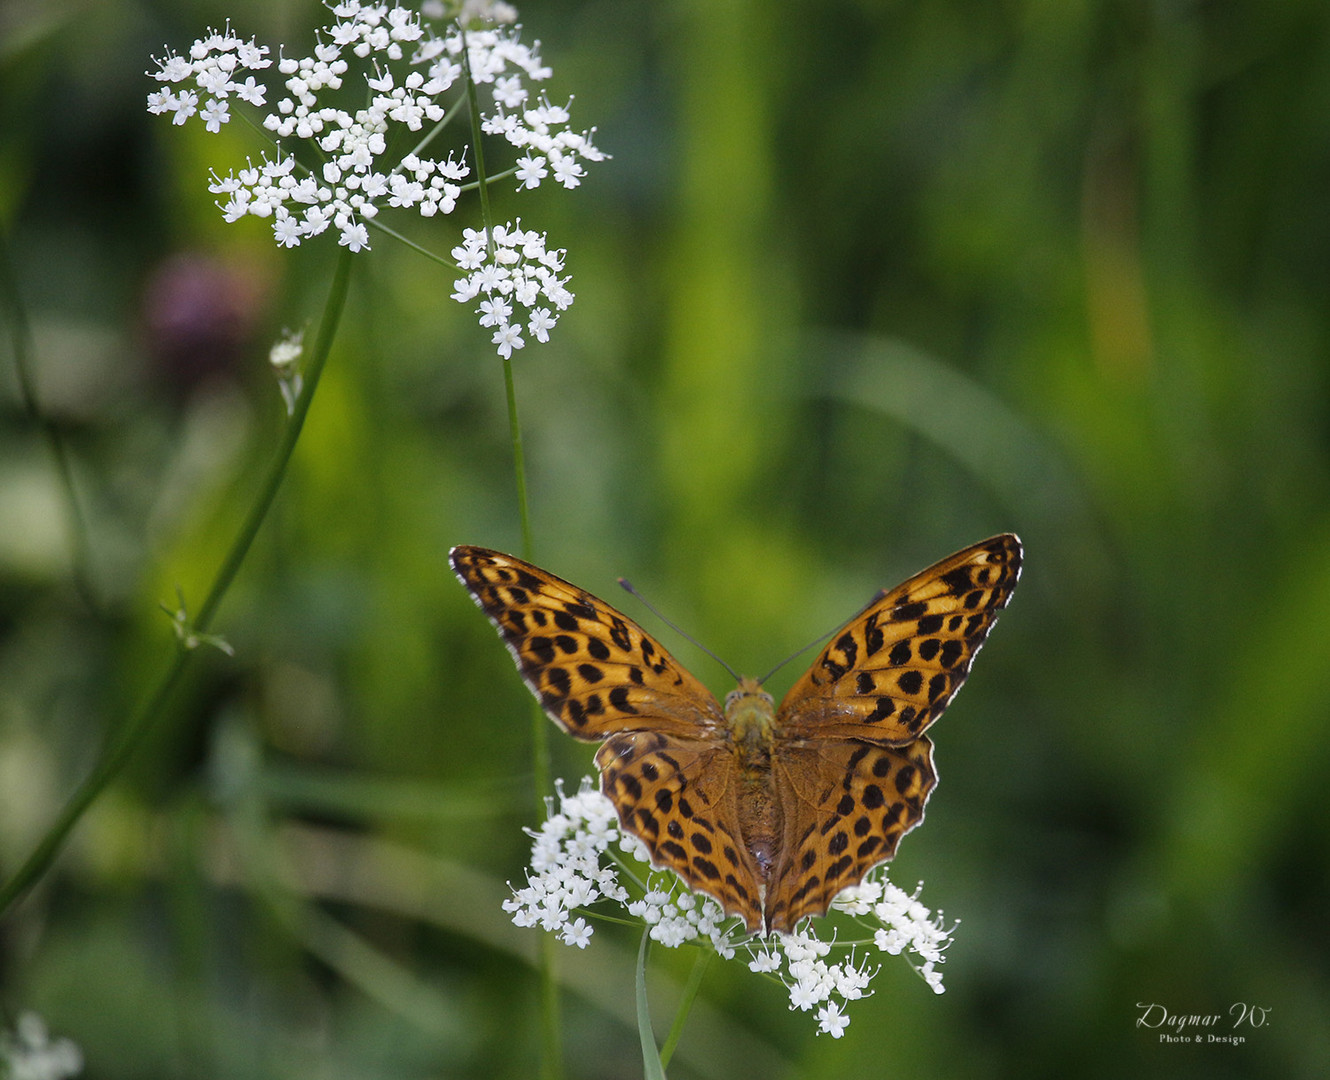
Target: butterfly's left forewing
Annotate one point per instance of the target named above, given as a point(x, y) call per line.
point(593, 670)
point(895, 667)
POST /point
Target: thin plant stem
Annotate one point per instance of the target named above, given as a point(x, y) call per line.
point(519, 471)
point(690, 990)
point(375, 223)
point(332, 314)
point(477, 147)
point(551, 1036)
point(540, 736)
point(20, 337)
point(132, 733)
point(652, 1066)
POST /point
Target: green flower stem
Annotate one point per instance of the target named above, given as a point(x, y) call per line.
point(332, 315)
point(690, 990)
point(20, 338)
point(551, 1033)
point(477, 146)
point(519, 475)
point(375, 223)
point(551, 1030)
point(540, 737)
point(131, 735)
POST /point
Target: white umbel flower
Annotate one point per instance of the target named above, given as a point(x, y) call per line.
point(574, 864)
point(413, 77)
point(519, 274)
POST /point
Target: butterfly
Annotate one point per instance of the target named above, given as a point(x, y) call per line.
point(771, 811)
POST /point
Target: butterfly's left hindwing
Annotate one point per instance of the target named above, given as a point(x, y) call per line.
point(593, 670)
point(680, 797)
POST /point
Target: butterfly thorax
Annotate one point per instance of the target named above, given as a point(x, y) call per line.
point(750, 721)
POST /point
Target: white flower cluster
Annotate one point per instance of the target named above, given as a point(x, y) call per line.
point(905, 924)
point(811, 980)
point(354, 180)
point(213, 64)
point(567, 874)
point(521, 273)
point(565, 866)
point(676, 915)
point(407, 69)
point(31, 1055)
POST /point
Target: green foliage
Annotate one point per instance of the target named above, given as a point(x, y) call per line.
point(863, 283)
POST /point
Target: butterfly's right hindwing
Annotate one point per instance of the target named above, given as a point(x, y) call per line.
point(593, 670)
point(847, 805)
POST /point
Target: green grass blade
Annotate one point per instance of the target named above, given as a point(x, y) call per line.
point(652, 1067)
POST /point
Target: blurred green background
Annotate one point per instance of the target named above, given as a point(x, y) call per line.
point(865, 282)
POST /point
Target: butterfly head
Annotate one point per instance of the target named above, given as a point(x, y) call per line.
point(748, 688)
point(749, 712)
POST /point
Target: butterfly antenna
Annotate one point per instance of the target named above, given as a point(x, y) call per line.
point(799, 651)
point(820, 638)
point(627, 587)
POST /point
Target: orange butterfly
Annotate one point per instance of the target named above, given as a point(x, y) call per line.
point(771, 811)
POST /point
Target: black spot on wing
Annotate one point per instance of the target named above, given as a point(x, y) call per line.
point(873, 637)
point(957, 581)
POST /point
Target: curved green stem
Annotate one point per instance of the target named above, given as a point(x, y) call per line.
point(652, 1066)
point(690, 990)
point(20, 338)
point(332, 314)
point(131, 735)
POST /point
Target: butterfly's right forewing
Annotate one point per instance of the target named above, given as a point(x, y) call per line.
point(888, 674)
point(593, 670)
